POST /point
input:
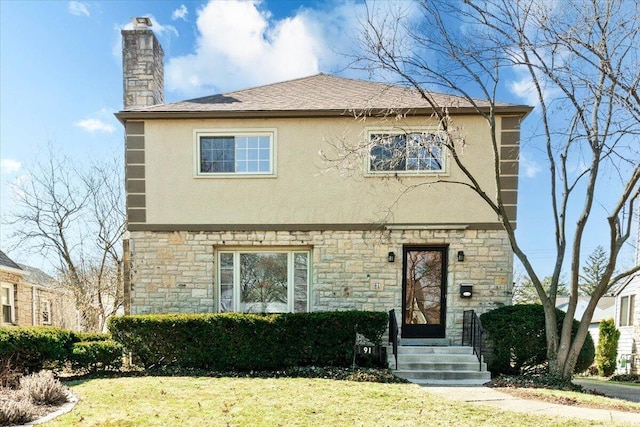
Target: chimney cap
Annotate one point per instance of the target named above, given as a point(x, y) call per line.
point(141, 23)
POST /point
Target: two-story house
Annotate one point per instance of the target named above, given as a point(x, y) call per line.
point(30, 297)
point(232, 207)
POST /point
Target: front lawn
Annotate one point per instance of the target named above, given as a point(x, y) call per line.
point(204, 401)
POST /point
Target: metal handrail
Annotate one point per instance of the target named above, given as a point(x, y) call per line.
point(393, 333)
point(472, 333)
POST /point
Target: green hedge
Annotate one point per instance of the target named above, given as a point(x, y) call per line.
point(518, 336)
point(246, 341)
point(97, 355)
point(30, 349)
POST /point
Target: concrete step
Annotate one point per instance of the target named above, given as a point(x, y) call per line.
point(427, 342)
point(438, 365)
point(417, 349)
point(443, 375)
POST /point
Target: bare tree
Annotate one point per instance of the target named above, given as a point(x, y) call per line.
point(580, 60)
point(73, 215)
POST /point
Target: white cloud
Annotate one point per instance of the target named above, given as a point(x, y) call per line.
point(529, 166)
point(241, 45)
point(180, 13)
point(8, 166)
point(95, 125)
point(77, 8)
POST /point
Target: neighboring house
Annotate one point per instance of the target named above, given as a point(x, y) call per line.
point(628, 323)
point(230, 206)
point(31, 298)
point(606, 309)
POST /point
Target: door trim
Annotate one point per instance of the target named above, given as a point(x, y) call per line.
point(425, 330)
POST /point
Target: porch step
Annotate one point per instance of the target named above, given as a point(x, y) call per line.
point(438, 365)
point(428, 342)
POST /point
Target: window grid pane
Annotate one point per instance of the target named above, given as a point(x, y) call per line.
point(406, 152)
point(235, 154)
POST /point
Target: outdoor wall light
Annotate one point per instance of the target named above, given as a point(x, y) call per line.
point(391, 257)
point(460, 256)
point(466, 291)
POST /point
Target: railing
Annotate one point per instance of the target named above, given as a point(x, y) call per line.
point(393, 334)
point(472, 333)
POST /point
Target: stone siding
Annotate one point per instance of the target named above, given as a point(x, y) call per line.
point(174, 272)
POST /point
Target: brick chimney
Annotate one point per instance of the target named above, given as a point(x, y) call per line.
point(143, 68)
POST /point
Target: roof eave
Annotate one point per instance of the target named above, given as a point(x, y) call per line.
point(124, 116)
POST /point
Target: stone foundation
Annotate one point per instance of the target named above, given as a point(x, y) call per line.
point(174, 272)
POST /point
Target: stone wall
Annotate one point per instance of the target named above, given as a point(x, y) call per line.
point(175, 271)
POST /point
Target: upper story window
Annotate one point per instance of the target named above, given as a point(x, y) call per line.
point(411, 152)
point(233, 153)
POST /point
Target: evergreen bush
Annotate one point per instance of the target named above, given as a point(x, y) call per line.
point(607, 350)
point(517, 333)
point(234, 341)
point(30, 349)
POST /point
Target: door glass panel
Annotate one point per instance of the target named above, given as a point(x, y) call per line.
point(263, 283)
point(423, 303)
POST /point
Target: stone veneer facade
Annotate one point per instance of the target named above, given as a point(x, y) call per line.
point(174, 272)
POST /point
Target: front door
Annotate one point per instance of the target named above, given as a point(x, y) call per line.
point(424, 292)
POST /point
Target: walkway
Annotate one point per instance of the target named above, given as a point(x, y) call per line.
point(493, 397)
point(615, 390)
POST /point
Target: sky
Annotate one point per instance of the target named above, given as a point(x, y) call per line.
point(61, 78)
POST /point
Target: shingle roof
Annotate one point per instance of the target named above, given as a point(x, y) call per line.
point(318, 93)
point(5, 261)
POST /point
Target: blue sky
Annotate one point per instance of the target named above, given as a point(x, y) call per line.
point(60, 77)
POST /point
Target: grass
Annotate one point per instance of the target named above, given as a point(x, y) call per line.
point(204, 401)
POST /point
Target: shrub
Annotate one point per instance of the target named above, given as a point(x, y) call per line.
point(16, 411)
point(245, 341)
point(30, 349)
point(93, 356)
point(43, 389)
point(517, 333)
point(607, 351)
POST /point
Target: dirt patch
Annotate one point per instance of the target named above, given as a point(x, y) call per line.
point(562, 400)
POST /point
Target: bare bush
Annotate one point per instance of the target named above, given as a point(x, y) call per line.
point(15, 408)
point(44, 389)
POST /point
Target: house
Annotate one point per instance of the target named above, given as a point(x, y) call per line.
point(627, 321)
point(605, 310)
point(30, 297)
point(230, 206)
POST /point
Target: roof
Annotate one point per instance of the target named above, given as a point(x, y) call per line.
point(605, 309)
point(38, 277)
point(317, 95)
point(5, 261)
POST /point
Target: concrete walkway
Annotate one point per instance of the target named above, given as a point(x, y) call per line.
point(493, 397)
point(615, 390)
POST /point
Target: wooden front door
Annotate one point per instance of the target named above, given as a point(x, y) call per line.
point(424, 292)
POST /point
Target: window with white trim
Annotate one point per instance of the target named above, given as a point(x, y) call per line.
point(408, 152)
point(263, 281)
point(45, 310)
point(627, 306)
point(235, 153)
point(8, 304)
